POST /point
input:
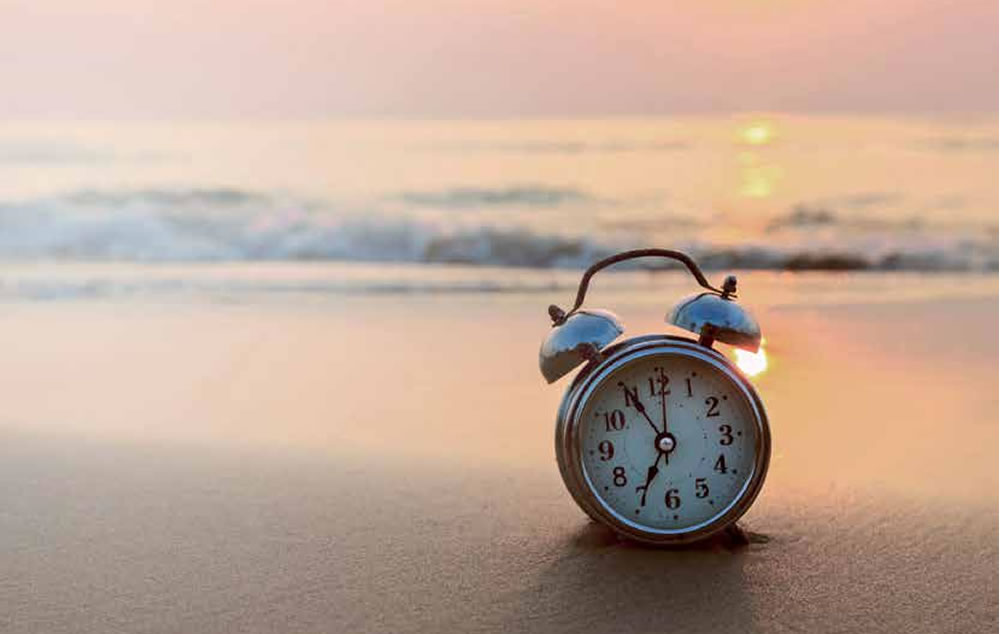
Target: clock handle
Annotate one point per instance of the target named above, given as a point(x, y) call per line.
point(558, 315)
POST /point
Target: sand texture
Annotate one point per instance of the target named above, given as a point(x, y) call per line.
point(385, 464)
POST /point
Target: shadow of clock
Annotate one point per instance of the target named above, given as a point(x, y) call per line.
point(595, 535)
point(604, 583)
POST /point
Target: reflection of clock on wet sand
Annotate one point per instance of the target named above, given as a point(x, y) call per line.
point(659, 437)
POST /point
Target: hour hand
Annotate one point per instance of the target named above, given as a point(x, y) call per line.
point(650, 474)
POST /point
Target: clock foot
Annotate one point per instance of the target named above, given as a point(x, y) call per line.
point(736, 535)
point(594, 535)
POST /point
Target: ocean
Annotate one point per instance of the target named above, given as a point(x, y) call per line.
point(484, 205)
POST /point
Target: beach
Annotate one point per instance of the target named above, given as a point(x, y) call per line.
point(275, 278)
point(383, 461)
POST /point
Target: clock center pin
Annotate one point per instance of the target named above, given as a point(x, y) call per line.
point(665, 443)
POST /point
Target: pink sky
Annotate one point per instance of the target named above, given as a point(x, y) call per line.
point(439, 58)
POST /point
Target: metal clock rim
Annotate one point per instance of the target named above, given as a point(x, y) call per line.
point(568, 450)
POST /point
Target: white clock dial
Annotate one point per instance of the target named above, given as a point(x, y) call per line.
point(668, 442)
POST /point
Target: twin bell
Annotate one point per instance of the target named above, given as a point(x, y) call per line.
point(582, 334)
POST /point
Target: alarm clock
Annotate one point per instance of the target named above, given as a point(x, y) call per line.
point(659, 437)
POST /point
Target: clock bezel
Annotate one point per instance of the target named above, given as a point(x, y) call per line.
point(569, 450)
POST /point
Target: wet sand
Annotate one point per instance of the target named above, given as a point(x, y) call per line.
point(385, 464)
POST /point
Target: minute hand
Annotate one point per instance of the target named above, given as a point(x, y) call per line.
point(632, 398)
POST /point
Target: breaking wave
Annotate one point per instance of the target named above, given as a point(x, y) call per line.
point(191, 225)
point(471, 197)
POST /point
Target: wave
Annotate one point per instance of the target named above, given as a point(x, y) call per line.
point(526, 196)
point(811, 217)
point(185, 225)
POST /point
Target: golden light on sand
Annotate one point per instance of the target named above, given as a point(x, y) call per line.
point(752, 363)
point(758, 133)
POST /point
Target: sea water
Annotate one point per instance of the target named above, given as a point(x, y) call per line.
point(410, 200)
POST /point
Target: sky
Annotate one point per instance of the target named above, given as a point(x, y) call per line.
point(128, 59)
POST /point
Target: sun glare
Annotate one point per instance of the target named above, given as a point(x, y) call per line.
point(752, 363)
point(756, 134)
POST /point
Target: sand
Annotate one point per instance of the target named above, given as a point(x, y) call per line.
point(385, 464)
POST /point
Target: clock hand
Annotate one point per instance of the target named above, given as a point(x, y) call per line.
point(663, 406)
point(632, 398)
point(642, 410)
point(650, 474)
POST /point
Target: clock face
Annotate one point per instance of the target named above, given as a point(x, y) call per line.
point(668, 442)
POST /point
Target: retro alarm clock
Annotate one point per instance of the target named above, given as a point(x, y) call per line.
point(659, 437)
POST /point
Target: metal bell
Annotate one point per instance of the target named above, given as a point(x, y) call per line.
point(575, 339)
point(717, 318)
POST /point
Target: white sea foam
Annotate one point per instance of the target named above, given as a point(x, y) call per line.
point(177, 225)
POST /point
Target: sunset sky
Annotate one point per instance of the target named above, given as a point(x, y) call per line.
point(443, 58)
